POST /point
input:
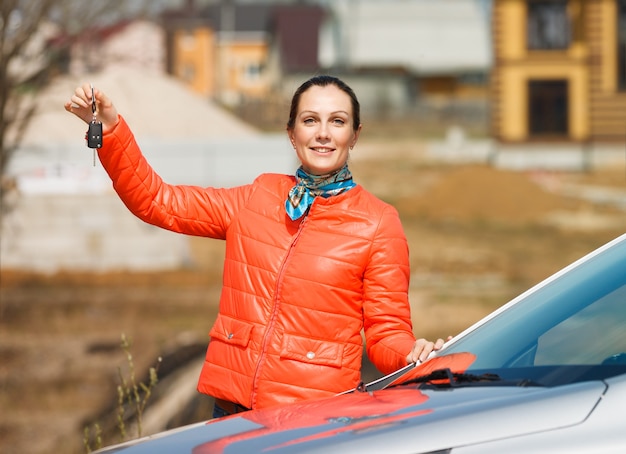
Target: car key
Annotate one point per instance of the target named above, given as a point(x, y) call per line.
point(94, 132)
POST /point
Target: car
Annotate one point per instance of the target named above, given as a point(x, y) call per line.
point(544, 373)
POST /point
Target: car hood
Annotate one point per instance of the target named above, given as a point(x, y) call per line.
point(403, 419)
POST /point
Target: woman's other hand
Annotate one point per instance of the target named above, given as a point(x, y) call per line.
point(422, 348)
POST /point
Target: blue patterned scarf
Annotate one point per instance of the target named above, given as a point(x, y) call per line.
point(310, 186)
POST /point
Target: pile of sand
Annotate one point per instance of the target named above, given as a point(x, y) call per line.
point(485, 193)
point(155, 105)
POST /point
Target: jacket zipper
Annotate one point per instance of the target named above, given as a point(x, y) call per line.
point(275, 307)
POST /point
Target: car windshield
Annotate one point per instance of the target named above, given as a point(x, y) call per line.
point(569, 328)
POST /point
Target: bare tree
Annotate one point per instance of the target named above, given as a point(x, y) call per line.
point(28, 61)
point(19, 22)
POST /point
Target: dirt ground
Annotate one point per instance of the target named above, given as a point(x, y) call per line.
point(478, 237)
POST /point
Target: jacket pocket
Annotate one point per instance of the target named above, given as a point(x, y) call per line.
point(231, 331)
point(312, 351)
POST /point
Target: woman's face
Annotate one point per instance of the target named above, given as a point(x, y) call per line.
point(323, 133)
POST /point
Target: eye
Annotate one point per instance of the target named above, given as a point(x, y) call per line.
point(339, 121)
point(308, 121)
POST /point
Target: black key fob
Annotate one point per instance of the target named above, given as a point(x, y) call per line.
point(94, 135)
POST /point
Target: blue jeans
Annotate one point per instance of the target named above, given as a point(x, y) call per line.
point(219, 412)
point(222, 408)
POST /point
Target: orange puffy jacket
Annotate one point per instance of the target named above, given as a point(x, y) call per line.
point(296, 294)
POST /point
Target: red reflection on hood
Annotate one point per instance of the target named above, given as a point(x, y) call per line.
point(354, 412)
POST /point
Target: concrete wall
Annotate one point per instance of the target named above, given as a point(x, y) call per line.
point(65, 216)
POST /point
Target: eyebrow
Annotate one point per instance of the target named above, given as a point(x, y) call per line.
point(332, 113)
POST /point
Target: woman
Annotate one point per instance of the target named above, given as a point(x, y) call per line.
point(312, 260)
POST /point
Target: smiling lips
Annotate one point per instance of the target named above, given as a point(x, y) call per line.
point(322, 150)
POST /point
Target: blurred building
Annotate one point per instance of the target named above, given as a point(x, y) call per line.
point(559, 71)
point(442, 47)
point(235, 51)
point(395, 53)
point(129, 43)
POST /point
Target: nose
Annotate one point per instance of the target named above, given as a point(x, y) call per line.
point(323, 132)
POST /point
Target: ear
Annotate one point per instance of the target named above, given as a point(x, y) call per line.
point(291, 138)
point(357, 133)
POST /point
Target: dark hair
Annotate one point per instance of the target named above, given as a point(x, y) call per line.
point(323, 81)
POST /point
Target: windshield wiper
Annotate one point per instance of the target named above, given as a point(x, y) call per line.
point(448, 378)
point(445, 378)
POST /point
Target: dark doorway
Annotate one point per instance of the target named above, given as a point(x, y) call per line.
point(547, 108)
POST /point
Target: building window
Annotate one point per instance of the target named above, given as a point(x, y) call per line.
point(252, 72)
point(548, 25)
point(621, 44)
point(547, 108)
